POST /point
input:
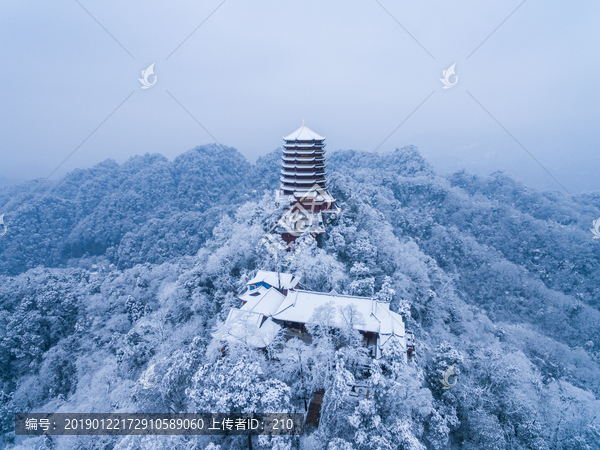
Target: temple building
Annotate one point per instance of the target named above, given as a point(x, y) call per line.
point(275, 302)
point(304, 185)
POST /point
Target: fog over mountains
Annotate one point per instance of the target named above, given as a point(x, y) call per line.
point(119, 267)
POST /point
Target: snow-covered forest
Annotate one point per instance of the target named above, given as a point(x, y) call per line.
point(117, 268)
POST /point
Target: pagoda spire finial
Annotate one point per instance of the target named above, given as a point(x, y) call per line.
point(303, 124)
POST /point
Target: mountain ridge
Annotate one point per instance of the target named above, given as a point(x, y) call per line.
point(118, 268)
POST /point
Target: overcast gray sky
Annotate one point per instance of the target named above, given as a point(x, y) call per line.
point(354, 70)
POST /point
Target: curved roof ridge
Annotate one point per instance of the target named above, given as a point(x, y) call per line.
point(335, 295)
point(304, 134)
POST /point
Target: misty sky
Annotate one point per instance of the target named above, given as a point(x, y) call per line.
point(254, 70)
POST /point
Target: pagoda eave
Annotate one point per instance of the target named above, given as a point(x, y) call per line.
point(303, 166)
point(299, 145)
point(304, 174)
point(301, 158)
point(296, 181)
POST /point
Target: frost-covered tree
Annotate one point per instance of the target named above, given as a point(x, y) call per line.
point(294, 369)
point(336, 401)
point(237, 385)
point(141, 260)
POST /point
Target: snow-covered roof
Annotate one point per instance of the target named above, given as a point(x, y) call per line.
point(295, 180)
point(319, 195)
point(304, 134)
point(315, 173)
point(368, 314)
point(280, 281)
point(303, 166)
point(254, 323)
point(266, 302)
point(318, 159)
point(248, 327)
point(318, 146)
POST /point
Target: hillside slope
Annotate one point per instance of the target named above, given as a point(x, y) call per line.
point(117, 268)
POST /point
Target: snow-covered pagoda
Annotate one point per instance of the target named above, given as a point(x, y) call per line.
point(303, 184)
point(275, 302)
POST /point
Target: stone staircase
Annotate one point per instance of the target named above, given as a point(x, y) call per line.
point(314, 408)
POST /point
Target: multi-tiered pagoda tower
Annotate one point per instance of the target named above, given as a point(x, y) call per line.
point(303, 184)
